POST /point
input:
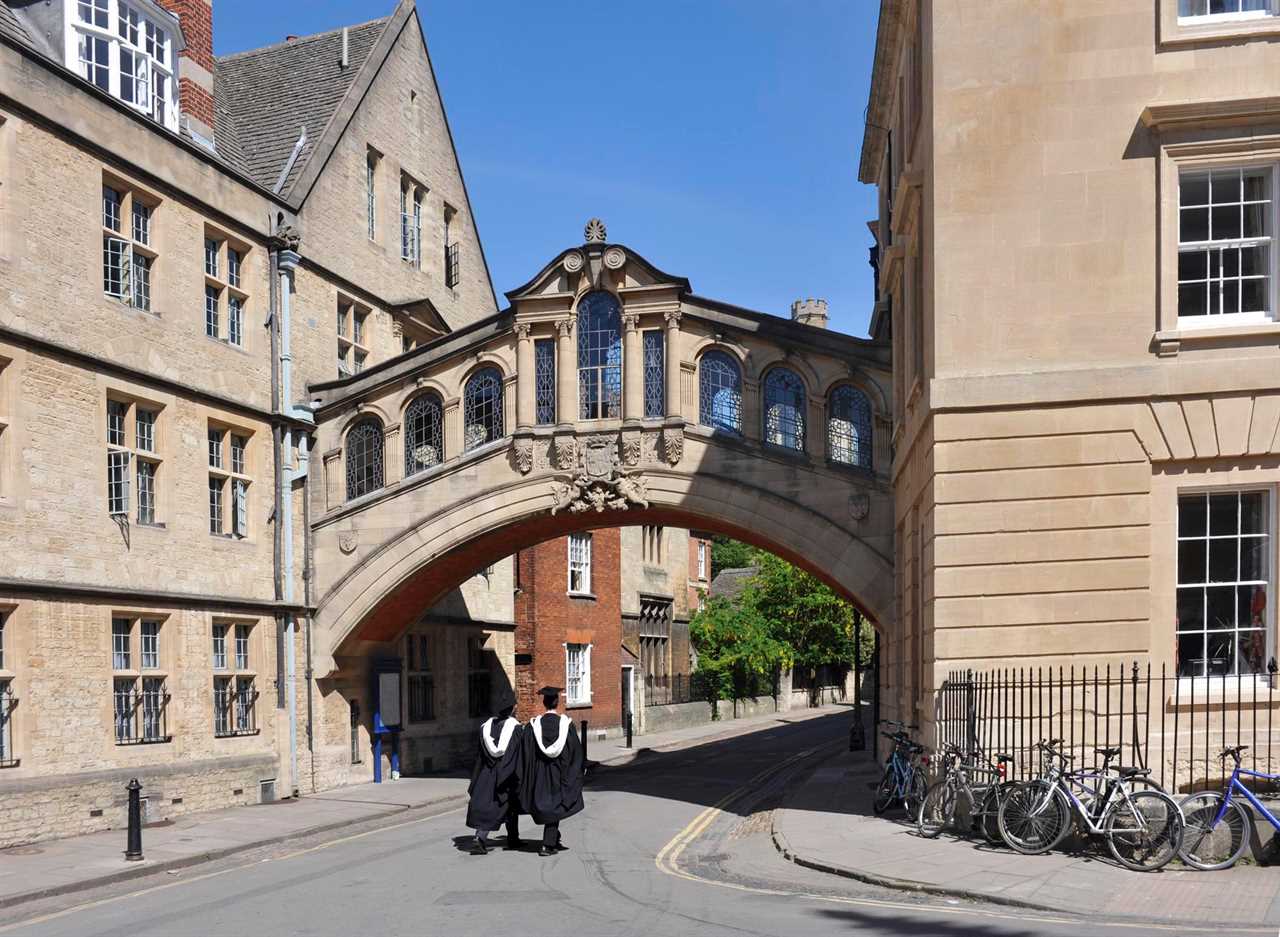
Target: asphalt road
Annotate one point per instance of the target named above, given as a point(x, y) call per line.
point(676, 844)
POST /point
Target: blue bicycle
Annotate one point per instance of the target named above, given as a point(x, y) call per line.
point(1219, 828)
point(903, 779)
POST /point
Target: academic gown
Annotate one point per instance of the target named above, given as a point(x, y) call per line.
point(495, 780)
point(551, 788)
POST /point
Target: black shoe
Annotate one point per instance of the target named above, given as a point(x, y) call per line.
point(545, 851)
point(479, 847)
point(561, 847)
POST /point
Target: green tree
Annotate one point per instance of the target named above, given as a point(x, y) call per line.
point(735, 642)
point(727, 553)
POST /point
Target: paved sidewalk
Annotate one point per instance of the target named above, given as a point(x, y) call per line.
point(65, 865)
point(826, 823)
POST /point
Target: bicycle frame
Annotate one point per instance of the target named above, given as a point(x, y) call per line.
point(1248, 795)
point(1099, 797)
point(900, 764)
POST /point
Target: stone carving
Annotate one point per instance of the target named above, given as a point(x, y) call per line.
point(649, 448)
point(614, 258)
point(859, 506)
point(572, 262)
point(600, 483)
point(673, 318)
point(522, 455)
point(563, 452)
point(564, 326)
point(631, 450)
point(523, 329)
point(673, 445)
point(348, 541)
point(594, 232)
point(284, 237)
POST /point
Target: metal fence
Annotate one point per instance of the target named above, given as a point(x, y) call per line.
point(1174, 725)
point(665, 689)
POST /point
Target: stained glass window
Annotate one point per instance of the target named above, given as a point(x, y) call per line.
point(482, 409)
point(422, 435)
point(720, 392)
point(849, 427)
point(784, 409)
point(654, 374)
point(599, 357)
point(364, 458)
point(544, 381)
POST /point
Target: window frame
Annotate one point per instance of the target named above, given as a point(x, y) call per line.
point(229, 487)
point(796, 440)
point(579, 564)
point(419, 675)
point(849, 440)
point(140, 697)
point(601, 381)
point(422, 429)
point(362, 481)
point(159, 72)
point(134, 259)
point(351, 324)
point(493, 419)
point(134, 461)
point(583, 675)
point(234, 687)
point(708, 394)
point(226, 301)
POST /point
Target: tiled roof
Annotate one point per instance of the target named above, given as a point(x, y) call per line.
point(10, 25)
point(267, 96)
point(729, 583)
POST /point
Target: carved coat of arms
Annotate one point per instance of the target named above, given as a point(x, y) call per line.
point(600, 482)
point(348, 540)
point(859, 506)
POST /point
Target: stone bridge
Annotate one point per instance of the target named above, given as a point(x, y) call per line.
point(607, 394)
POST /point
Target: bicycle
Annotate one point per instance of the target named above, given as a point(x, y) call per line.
point(941, 800)
point(1219, 828)
point(1143, 829)
point(903, 778)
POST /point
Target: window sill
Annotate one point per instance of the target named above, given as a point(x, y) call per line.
point(587, 596)
point(1185, 32)
point(10, 763)
point(1211, 690)
point(239, 733)
point(128, 742)
point(1168, 343)
point(586, 705)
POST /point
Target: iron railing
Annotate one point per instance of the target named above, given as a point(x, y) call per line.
point(140, 714)
point(1176, 726)
point(8, 757)
point(665, 689)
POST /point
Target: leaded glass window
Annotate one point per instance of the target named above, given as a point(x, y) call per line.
point(364, 458)
point(720, 392)
point(849, 427)
point(784, 409)
point(544, 381)
point(654, 374)
point(422, 435)
point(599, 357)
point(482, 409)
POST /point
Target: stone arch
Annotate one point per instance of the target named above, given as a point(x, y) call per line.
point(365, 411)
point(411, 567)
point(416, 389)
point(722, 344)
point(793, 363)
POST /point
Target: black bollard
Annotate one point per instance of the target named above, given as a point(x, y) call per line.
point(628, 728)
point(133, 851)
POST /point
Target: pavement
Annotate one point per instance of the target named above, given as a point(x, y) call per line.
point(826, 823)
point(675, 842)
point(56, 867)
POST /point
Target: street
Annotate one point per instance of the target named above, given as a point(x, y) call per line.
point(652, 854)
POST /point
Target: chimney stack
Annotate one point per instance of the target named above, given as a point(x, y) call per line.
point(195, 66)
point(810, 312)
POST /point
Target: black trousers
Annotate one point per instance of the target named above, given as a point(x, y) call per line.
point(551, 835)
point(513, 826)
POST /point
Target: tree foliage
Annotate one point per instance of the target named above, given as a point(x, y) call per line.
point(783, 617)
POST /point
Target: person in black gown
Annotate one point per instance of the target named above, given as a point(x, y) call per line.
point(495, 780)
point(551, 783)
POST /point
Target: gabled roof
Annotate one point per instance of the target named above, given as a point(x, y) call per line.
point(11, 26)
point(268, 96)
point(729, 583)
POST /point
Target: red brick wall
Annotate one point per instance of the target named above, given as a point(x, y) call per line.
point(196, 19)
point(548, 617)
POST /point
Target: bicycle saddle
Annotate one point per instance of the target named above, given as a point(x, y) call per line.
point(1234, 751)
point(1003, 758)
point(1130, 772)
point(1107, 752)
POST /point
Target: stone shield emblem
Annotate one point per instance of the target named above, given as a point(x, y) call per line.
point(599, 457)
point(859, 506)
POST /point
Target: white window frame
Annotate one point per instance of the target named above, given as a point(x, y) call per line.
point(228, 470)
point(1272, 514)
point(580, 564)
point(583, 690)
point(1237, 16)
point(153, 70)
point(1235, 319)
point(702, 559)
point(226, 301)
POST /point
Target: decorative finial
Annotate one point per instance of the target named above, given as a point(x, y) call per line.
point(594, 231)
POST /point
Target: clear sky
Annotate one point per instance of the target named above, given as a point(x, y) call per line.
point(718, 138)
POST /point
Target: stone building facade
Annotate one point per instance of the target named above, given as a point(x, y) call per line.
point(185, 243)
point(1076, 269)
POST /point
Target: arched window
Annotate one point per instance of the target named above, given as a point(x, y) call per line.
point(482, 409)
point(599, 357)
point(422, 435)
point(849, 427)
point(784, 409)
point(720, 392)
point(364, 458)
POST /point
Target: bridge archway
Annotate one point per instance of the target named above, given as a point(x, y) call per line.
point(817, 494)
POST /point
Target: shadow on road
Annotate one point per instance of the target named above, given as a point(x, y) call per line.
point(941, 925)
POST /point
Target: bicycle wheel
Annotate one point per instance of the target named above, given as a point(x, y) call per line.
point(916, 789)
point(1033, 817)
point(991, 810)
point(1208, 846)
point(1144, 833)
point(885, 792)
point(937, 809)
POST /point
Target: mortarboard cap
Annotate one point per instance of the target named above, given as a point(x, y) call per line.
point(551, 691)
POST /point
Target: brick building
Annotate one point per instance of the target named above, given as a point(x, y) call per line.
point(187, 242)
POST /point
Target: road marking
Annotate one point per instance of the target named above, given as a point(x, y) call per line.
point(75, 909)
point(667, 861)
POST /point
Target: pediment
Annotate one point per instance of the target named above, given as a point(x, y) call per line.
point(596, 263)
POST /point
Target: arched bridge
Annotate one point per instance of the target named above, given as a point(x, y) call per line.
point(608, 393)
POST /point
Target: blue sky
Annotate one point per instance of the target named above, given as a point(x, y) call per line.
point(719, 138)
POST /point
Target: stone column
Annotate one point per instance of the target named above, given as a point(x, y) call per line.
point(566, 374)
point(525, 416)
point(675, 403)
point(632, 370)
point(392, 455)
